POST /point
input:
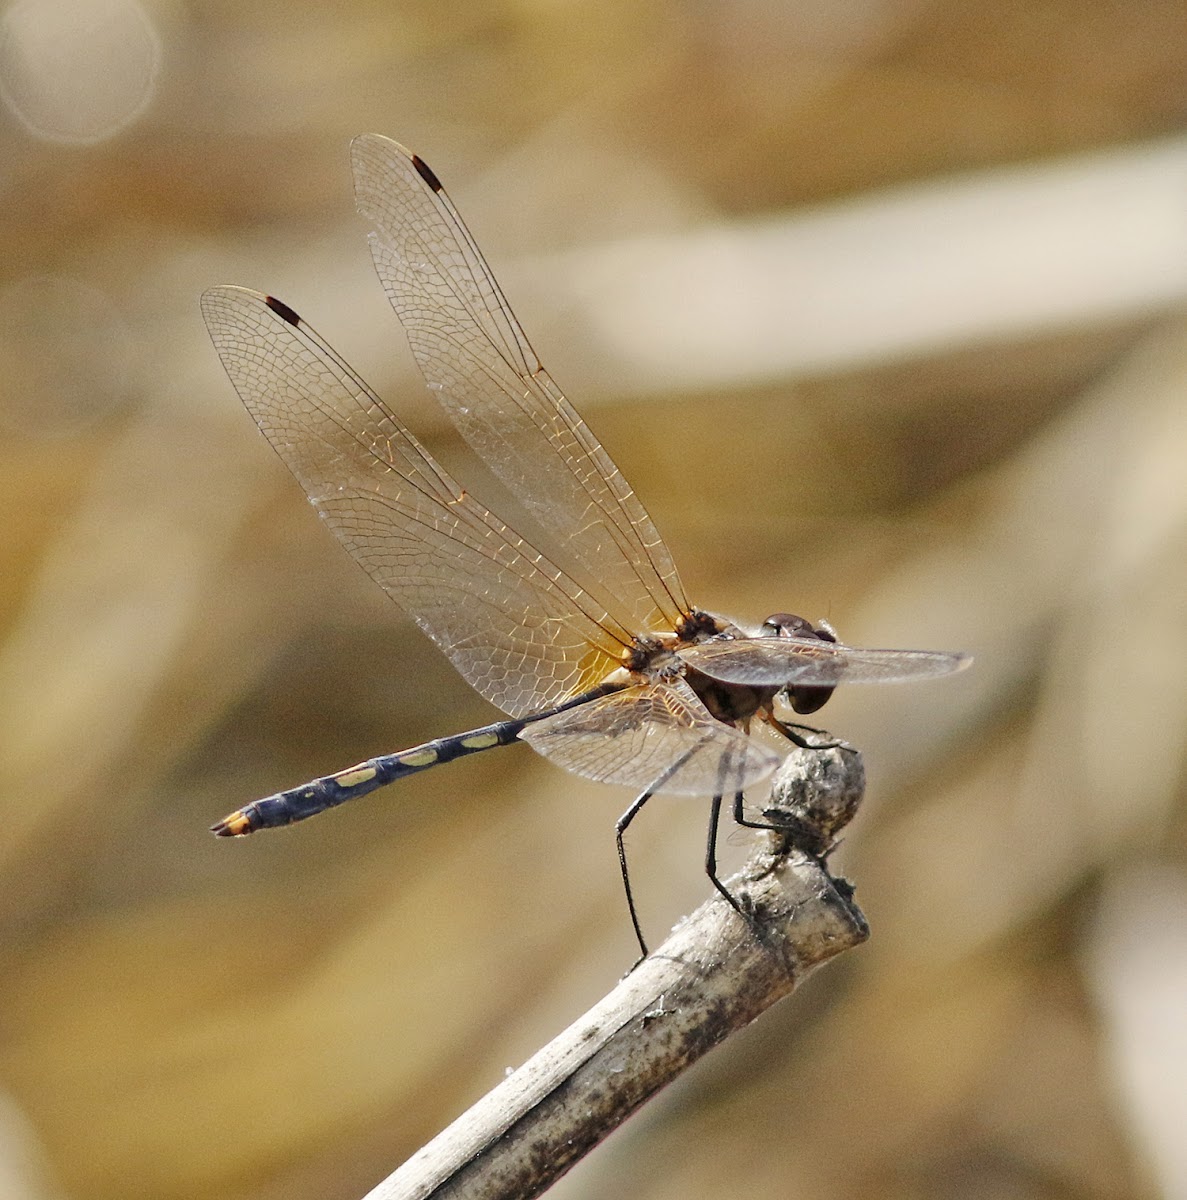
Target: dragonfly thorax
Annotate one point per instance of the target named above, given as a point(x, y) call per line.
point(733, 703)
point(655, 658)
point(654, 655)
point(647, 655)
point(700, 626)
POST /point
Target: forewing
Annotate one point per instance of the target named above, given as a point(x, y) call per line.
point(477, 359)
point(521, 633)
point(811, 662)
point(657, 736)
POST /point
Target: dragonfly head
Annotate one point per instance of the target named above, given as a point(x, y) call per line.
point(804, 700)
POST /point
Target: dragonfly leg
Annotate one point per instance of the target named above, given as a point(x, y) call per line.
point(620, 829)
point(795, 831)
point(788, 730)
point(740, 818)
point(711, 855)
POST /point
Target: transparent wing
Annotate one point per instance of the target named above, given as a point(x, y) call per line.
point(815, 663)
point(521, 633)
point(656, 735)
point(477, 359)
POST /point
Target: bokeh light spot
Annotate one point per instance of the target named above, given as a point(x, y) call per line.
point(77, 72)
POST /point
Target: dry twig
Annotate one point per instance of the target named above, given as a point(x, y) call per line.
point(713, 976)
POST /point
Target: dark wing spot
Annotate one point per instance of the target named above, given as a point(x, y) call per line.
point(282, 310)
point(423, 170)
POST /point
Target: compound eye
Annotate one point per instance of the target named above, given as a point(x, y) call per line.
point(807, 700)
point(787, 625)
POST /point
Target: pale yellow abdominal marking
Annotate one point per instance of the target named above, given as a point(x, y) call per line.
point(351, 778)
point(481, 741)
point(419, 758)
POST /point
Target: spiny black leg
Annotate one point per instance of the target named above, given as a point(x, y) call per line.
point(795, 832)
point(772, 826)
point(711, 854)
point(740, 816)
point(798, 834)
point(620, 829)
point(786, 728)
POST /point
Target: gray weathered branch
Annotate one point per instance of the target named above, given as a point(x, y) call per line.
point(713, 976)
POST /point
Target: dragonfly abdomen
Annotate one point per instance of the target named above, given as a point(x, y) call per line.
point(329, 791)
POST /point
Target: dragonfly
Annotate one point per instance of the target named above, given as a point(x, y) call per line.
point(591, 649)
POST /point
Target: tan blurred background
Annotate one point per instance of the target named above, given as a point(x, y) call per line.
point(880, 307)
